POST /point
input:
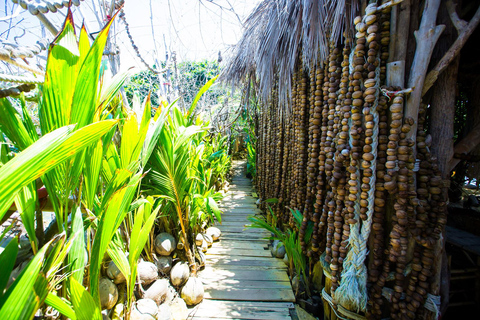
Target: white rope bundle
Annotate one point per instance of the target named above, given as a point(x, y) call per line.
point(352, 292)
point(12, 50)
point(433, 304)
point(20, 79)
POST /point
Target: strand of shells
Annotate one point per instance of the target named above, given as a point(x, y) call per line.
point(15, 91)
point(349, 168)
point(44, 6)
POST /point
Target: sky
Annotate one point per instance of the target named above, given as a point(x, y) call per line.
point(194, 29)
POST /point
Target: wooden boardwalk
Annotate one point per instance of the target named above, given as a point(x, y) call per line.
point(241, 279)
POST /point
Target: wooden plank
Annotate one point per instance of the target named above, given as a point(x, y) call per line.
point(226, 235)
point(251, 294)
point(248, 304)
point(239, 252)
point(463, 239)
point(234, 217)
point(232, 244)
point(239, 227)
point(244, 268)
point(245, 261)
point(212, 273)
point(228, 284)
point(242, 237)
point(247, 203)
point(254, 233)
point(237, 223)
point(214, 309)
point(248, 264)
point(241, 211)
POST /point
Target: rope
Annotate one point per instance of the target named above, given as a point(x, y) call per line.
point(392, 94)
point(20, 79)
point(332, 304)
point(349, 314)
point(135, 48)
point(433, 304)
point(23, 66)
point(12, 50)
point(352, 291)
point(44, 6)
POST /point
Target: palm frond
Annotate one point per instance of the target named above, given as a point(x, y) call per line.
point(280, 32)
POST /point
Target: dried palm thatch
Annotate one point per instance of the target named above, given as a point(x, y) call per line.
point(279, 32)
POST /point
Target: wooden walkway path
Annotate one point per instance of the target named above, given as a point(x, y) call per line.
point(241, 279)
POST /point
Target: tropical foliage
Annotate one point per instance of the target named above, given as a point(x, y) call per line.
point(114, 175)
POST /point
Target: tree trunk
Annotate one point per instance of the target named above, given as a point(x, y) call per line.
point(441, 123)
point(442, 116)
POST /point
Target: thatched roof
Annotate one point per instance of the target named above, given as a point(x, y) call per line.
point(276, 31)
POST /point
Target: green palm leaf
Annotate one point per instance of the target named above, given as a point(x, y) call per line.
point(45, 154)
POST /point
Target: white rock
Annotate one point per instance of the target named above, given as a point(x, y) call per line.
point(214, 232)
point(147, 272)
point(165, 244)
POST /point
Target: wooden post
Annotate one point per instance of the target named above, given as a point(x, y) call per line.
point(426, 38)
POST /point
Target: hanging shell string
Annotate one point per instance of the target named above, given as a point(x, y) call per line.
point(352, 292)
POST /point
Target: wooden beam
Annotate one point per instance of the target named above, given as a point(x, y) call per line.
point(453, 52)
point(426, 37)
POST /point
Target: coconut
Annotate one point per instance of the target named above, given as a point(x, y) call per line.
point(208, 239)
point(192, 292)
point(278, 249)
point(285, 259)
point(204, 246)
point(202, 258)
point(179, 309)
point(114, 273)
point(164, 312)
point(165, 244)
point(214, 233)
point(171, 294)
point(147, 272)
point(164, 264)
point(297, 285)
point(179, 273)
point(104, 315)
point(157, 291)
point(199, 239)
point(108, 293)
point(145, 309)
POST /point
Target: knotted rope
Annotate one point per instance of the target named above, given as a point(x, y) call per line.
point(352, 292)
point(20, 79)
point(433, 304)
